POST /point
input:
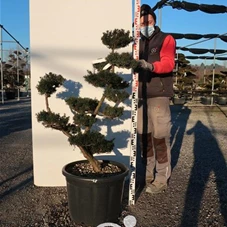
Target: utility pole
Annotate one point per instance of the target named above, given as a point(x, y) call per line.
point(2, 76)
point(215, 46)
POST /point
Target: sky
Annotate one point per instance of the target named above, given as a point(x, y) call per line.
point(14, 16)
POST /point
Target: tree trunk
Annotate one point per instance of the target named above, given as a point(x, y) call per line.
point(98, 106)
point(47, 103)
point(94, 162)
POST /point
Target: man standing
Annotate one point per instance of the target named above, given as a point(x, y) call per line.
point(157, 61)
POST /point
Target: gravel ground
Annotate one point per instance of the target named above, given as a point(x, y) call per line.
point(197, 192)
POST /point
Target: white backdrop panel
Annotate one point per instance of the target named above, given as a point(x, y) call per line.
point(65, 37)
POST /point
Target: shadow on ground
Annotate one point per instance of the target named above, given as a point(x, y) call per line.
point(15, 117)
point(207, 160)
point(16, 148)
point(179, 116)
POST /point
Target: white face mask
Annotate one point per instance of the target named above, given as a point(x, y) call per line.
point(147, 31)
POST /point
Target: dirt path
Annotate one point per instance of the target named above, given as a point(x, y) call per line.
point(196, 196)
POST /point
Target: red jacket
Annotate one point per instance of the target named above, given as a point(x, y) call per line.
point(160, 50)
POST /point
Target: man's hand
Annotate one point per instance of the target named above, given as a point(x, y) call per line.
point(145, 65)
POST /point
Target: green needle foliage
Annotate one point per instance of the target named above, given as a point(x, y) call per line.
point(116, 39)
point(87, 111)
point(105, 79)
point(84, 120)
point(99, 66)
point(113, 112)
point(52, 118)
point(93, 142)
point(124, 60)
point(49, 83)
point(115, 95)
point(82, 105)
point(219, 82)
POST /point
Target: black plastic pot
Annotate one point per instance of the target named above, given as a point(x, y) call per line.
point(95, 201)
point(10, 93)
point(179, 101)
point(206, 100)
point(222, 100)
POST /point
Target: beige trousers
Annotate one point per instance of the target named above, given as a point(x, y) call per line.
point(154, 125)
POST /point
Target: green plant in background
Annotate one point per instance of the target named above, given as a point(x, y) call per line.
point(87, 111)
point(219, 81)
point(14, 69)
point(184, 77)
point(183, 66)
point(223, 82)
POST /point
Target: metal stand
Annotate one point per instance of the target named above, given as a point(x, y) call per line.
point(212, 98)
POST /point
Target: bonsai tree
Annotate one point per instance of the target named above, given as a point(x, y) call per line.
point(184, 76)
point(183, 67)
point(13, 68)
point(223, 83)
point(184, 80)
point(219, 81)
point(87, 111)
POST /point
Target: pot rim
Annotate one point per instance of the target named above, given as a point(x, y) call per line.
point(68, 175)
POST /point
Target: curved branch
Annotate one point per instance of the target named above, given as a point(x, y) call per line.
point(47, 103)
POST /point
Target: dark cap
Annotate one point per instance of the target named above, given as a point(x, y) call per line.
point(145, 10)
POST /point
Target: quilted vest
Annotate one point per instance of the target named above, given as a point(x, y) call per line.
point(152, 84)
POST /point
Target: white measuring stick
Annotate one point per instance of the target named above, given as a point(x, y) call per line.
point(132, 183)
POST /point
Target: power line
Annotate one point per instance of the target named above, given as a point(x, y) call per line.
point(26, 49)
